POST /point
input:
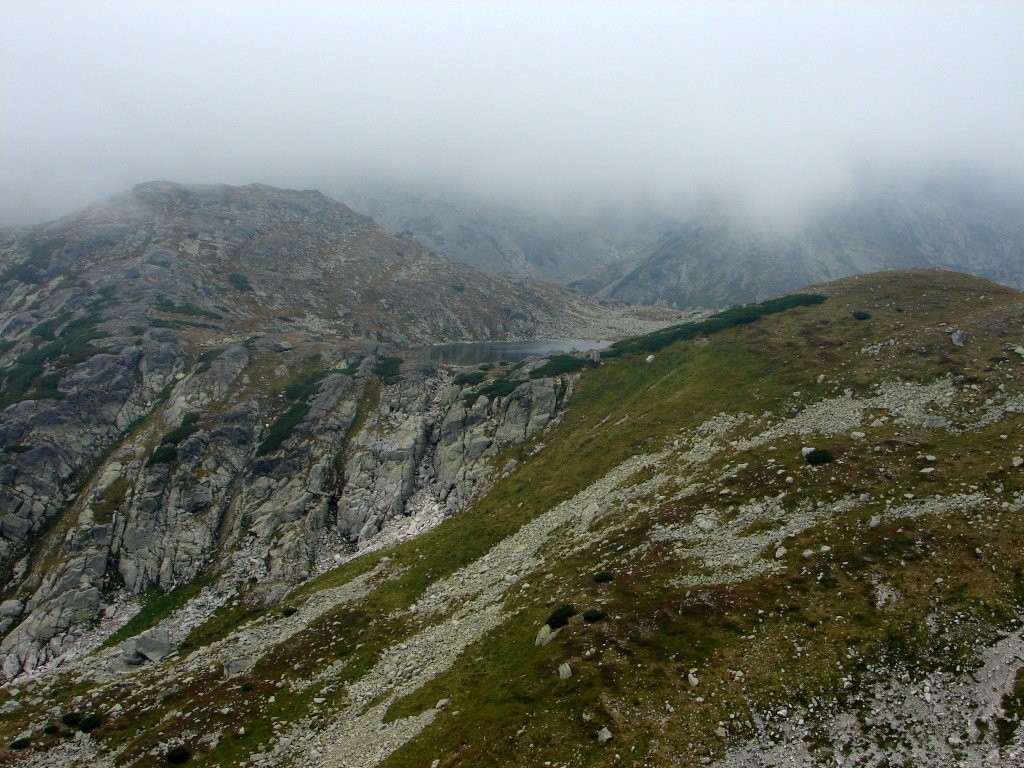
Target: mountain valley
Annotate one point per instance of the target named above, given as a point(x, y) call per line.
point(786, 533)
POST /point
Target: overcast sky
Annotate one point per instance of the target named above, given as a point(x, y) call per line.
point(771, 103)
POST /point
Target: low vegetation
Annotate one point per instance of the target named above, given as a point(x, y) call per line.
point(560, 616)
point(37, 372)
point(166, 305)
point(730, 318)
point(300, 391)
point(388, 369)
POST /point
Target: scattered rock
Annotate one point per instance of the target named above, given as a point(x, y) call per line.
point(603, 736)
point(545, 635)
point(151, 645)
point(564, 672)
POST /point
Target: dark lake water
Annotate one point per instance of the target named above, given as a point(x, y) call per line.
point(475, 353)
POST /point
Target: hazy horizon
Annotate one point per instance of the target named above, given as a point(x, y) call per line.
point(553, 106)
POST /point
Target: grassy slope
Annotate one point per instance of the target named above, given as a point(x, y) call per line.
point(508, 706)
point(656, 634)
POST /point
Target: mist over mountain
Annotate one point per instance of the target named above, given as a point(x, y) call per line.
point(713, 253)
point(472, 384)
point(549, 107)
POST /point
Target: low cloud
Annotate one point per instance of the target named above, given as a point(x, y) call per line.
point(771, 106)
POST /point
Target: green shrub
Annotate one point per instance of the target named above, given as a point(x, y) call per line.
point(603, 577)
point(730, 318)
point(22, 743)
point(246, 686)
point(178, 755)
point(593, 614)
point(46, 386)
point(471, 378)
point(388, 367)
point(500, 388)
point(818, 457)
point(51, 728)
point(46, 330)
point(289, 610)
point(90, 722)
point(172, 325)
point(561, 364)
point(860, 314)
point(560, 616)
point(181, 433)
point(206, 359)
point(282, 428)
point(299, 391)
point(239, 282)
point(71, 719)
point(163, 454)
point(305, 387)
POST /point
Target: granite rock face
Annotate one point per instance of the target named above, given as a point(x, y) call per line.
point(192, 385)
point(226, 506)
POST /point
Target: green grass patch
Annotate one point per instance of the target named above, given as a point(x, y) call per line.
point(157, 605)
point(35, 374)
point(470, 378)
point(560, 364)
point(110, 500)
point(166, 305)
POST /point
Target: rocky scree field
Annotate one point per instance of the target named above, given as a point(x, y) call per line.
point(792, 537)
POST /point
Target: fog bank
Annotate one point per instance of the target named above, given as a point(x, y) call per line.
point(770, 106)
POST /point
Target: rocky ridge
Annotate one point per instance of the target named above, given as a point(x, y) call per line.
point(207, 380)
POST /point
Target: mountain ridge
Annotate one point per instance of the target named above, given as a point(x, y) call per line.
point(711, 254)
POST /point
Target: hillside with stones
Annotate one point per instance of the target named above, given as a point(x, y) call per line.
point(788, 534)
point(222, 383)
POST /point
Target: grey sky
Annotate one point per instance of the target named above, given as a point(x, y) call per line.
point(772, 103)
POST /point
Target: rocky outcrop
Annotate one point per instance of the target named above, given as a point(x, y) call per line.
point(187, 388)
point(223, 504)
point(45, 444)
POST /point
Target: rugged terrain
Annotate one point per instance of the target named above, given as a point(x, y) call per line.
point(711, 255)
point(222, 383)
point(790, 537)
